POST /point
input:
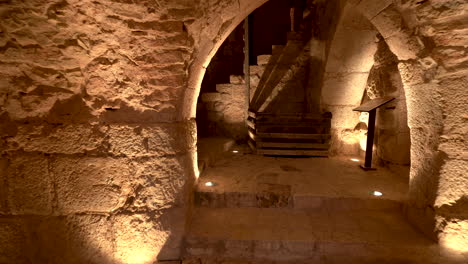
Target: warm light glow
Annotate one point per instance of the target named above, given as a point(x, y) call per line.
point(454, 237)
point(209, 184)
point(364, 117)
point(377, 193)
point(355, 160)
point(235, 151)
point(143, 256)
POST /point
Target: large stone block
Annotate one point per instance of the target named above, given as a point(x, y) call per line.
point(388, 22)
point(352, 51)
point(91, 184)
point(371, 8)
point(144, 140)
point(138, 238)
point(404, 45)
point(65, 139)
point(29, 185)
point(3, 186)
point(344, 88)
point(160, 182)
point(424, 109)
point(90, 239)
point(12, 242)
point(164, 27)
point(453, 184)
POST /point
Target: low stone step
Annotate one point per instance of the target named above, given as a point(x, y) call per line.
point(292, 145)
point(229, 88)
point(293, 152)
point(259, 136)
point(292, 235)
point(263, 59)
point(211, 97)
point(257, 70)
point(277, 49)
point(280, 196)
point(236, 79)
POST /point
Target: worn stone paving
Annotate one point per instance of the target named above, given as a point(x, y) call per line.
point(244, 172)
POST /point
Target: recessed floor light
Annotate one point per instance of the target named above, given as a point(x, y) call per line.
point(235, 151)
point(209, 184)
point(355, 160)
point(377, 193)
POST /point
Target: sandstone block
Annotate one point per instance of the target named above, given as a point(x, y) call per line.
point(405, 46)
point(423, 107)
point(210, 97)
point(29, 185)
point(352, 51)
point(160, 182)
point(86, 184)
point(167, 26)
point(372, 8)
point(166, 57)
point(168, 80)
point(134, 113)
point(263, 59)
point(144, 140)
point(236, 79)
point(137, 238)
point(66, 139)
point(453, 183)
point(344, 89)
point(12, 241)
point(227, 88)
point(3, 186)
point(411, 73)
point(256, 70)
point(90, 239)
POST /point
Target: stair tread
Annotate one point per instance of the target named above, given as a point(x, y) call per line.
point(292, 152)
point(369, 227)
point(291, 135)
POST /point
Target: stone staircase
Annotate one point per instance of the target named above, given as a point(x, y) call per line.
point(279, 120)
point(290, 134)
point(226, 108)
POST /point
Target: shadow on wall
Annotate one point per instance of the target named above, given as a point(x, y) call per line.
point(80, 188)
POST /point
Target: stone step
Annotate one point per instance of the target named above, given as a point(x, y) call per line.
point(280, 196)
point(260, 136)
point(211, 97)
point(257, 70)
point(263, 59)
point(275, 49)
point(229, 88)
point(292, 152)
point(292, 235)
point(236, 79)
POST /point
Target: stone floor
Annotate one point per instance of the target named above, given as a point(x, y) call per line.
point(280, 210)
point(320, 177)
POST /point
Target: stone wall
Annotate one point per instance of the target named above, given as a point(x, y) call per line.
point(95, 165)
point(97, 101)
point(347, 68)
point(392, 137)
point(429, 40)
point(225, 110)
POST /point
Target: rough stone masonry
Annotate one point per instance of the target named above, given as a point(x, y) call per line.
point(97, 100)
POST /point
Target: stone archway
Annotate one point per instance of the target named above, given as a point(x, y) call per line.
point(431, 152)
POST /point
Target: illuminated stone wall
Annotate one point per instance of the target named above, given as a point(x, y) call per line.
point(97, 138)
point(429, 40)
point(392, 137)
point(95, 163)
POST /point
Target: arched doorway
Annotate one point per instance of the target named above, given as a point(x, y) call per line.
point(424, 174)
